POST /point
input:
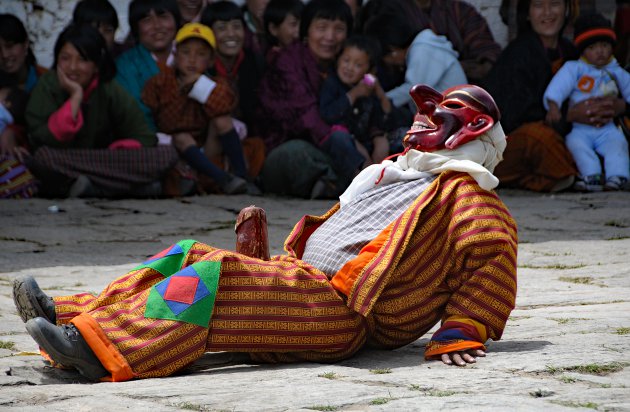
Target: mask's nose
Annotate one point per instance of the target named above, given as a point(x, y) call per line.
point(426, 98)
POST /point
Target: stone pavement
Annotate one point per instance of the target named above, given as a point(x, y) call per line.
point(564, 347)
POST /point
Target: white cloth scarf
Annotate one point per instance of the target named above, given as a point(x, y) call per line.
point(478, 158)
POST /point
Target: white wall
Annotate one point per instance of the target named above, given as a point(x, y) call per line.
point(44, 20)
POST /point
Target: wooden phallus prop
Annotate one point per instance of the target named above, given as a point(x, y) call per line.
point(251, 233)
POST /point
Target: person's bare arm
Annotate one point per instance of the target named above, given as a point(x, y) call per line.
point(10, 147)
point(364, 152)
point(74, 89)
point(381, 149)
point(361, 89)
point(386, 104)
point(596, 111)
point(553, 114)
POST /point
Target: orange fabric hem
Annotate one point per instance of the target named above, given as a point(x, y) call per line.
point(103, 348)
point(344, 279)
point(431, 354)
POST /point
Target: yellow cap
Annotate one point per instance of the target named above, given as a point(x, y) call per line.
point(197, 31)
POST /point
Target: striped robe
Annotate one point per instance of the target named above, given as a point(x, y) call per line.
point(451, 257)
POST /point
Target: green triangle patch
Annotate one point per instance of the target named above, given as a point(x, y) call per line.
point(187, 296)
point(170, 260)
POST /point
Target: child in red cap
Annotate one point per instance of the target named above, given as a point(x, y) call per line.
point(595, 74)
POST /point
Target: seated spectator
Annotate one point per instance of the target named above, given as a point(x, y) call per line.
point(622, 30)
point(404, 49)
point(282, 24)
point(184, 101)
point(88, 134)
point(191, 10)
point(153, 24)
point(289, 111)
point(16, 181)
point(232, 61)
point(461, 23)
point(12, 106)
point(17, 61)
point(352, 98)
point(536, 157)
point(102, 15)
point(596, 74)
point(18, 68)
point(13, 100)
point(255, 36)
point(407, 49)
point(355, 7)
point(243, 73)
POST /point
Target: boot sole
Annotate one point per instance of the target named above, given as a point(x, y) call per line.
point(27, 305)
point(85, 368)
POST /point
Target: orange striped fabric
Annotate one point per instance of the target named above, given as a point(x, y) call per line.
point(281, 310)
point(452, 253)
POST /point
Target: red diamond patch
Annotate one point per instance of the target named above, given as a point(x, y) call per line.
point(182, 289)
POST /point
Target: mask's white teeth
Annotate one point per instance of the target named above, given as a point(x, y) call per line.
point(419, 125)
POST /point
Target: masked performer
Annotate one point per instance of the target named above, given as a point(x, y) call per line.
point(412, 243)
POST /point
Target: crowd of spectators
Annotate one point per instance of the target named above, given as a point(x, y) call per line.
point(288, 97)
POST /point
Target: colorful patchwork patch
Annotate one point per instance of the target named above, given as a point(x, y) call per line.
point(456, 331)
point(169, 260)
point(186, 296)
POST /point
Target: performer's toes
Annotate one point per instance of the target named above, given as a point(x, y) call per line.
point(30, 301)
point(65, 345)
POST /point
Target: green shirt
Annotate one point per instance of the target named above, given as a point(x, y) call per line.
point(109, 114)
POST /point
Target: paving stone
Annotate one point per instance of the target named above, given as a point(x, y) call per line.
point(564, 347)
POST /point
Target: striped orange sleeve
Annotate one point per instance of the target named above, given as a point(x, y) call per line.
point(457, 334)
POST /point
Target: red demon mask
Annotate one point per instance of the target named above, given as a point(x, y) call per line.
point(449, 120)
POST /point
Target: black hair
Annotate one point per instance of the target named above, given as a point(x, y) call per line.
point(17, 99)
point(95, 11)
point(12, 30)
point(91, 45)
point(325, 9)
point(278, 10)
point(139, 9)
point(221, 11)
point(366, 44)
point(389, 25)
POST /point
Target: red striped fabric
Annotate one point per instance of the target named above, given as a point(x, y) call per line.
point(453, 253)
